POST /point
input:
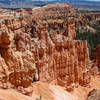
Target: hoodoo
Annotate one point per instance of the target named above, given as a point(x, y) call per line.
point(37, 50)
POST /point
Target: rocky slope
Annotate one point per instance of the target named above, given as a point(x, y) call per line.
point(94, 95)
point(35, 46)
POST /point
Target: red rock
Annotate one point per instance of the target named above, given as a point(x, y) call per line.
point(51, 56)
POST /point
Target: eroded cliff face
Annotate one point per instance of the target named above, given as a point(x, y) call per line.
point(17, 61)
point(66, 61)
point(29, 50)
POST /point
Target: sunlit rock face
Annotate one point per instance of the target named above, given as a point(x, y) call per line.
point(64, 60)
point(17, 63)
point(27, 48)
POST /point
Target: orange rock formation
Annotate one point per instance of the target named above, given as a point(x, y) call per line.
point(52, 57)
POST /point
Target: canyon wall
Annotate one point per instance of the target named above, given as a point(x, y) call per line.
point(50, 57)
point(17, 63)
point(64, 60)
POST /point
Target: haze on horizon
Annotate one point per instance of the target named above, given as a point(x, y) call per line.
point(93, 5)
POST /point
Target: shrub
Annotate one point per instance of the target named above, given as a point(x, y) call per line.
point(93, 39)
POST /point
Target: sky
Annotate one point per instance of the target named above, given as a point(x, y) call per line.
point(53, 0)
point(93, 0)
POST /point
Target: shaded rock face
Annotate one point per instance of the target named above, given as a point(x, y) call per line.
point(96, 54)
point(54, 57)
point(94, 95)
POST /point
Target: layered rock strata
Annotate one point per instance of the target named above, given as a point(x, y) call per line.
point(49, 57)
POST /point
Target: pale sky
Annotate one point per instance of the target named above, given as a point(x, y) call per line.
point(53, 0)
point(93, 0)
